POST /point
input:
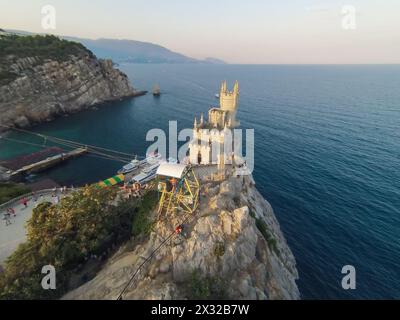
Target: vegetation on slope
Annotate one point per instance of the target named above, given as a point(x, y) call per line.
point(261, 225)
point(46, 47)
point(9, 191)
point(200, 287)
point(66, 235)
point(38, 46)
point(263, 228)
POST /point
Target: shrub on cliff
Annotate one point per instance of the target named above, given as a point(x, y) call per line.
point(261, 225)
point(206, 287)
point(142, 223)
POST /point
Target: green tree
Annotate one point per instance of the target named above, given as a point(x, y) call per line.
point(64, 235)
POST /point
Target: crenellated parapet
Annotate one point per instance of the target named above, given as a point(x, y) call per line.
point(228, 100)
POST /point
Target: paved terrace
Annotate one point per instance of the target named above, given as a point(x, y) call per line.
point(15, 233)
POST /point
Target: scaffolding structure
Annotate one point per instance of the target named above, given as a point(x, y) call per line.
point(179, 188)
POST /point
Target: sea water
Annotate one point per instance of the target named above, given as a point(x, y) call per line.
point(327, 156)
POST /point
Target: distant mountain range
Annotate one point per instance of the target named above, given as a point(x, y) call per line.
point(132, 51)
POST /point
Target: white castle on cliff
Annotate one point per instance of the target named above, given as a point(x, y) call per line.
point(210, 144)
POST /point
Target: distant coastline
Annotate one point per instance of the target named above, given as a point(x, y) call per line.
point(132, 51)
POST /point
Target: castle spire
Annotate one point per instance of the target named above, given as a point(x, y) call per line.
point(201, 119)
point(230, 123)
point(195, 123)
point(223, 88)
point(236, 88)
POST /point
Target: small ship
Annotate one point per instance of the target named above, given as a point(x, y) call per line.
point(156, 90)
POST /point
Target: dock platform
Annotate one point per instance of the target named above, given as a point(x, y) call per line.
point(47, 162)
point(18, 162)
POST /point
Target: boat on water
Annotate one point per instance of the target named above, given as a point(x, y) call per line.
point(151, 168)
point(146, 174)
point(129, 167)
point(144, 177)
point(151, 164)
point(153, 158)
point(156, 90)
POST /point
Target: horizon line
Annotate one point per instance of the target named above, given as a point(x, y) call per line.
point(200, 59)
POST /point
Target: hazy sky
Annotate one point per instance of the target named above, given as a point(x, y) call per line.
point(238, 31)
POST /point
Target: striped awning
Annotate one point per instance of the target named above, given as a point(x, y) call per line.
point(112, 181)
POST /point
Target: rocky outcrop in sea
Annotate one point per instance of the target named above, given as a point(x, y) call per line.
point(234, 239)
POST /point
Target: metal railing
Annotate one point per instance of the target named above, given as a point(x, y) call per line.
point(9, 203)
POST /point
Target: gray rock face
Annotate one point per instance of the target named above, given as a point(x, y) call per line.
point(245, 259)
point(42, 90)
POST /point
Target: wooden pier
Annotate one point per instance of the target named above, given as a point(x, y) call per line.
point(48, 162)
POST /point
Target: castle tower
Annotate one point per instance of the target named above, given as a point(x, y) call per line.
point(228, 100)
point(222, 119)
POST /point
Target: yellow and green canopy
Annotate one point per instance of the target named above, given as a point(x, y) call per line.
point(112, 181)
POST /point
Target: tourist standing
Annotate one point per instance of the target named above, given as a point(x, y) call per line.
point(178, 230)
point(11, 211)
point(7, 218)
point(24, 202)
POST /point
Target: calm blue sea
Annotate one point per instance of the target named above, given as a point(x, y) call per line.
point(327, 145)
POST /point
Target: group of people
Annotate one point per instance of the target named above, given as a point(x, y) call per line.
point(132, 191)
point(58, 193)
point(7, 216)
point(11, 212)
point(55, 198)
point(61, 190)
point(171, 184)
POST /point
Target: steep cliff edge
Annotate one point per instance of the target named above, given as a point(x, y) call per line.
point(42, 77)
point(232, 248)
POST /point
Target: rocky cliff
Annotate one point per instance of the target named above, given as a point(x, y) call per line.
point(43, 76)
point(232, 248)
